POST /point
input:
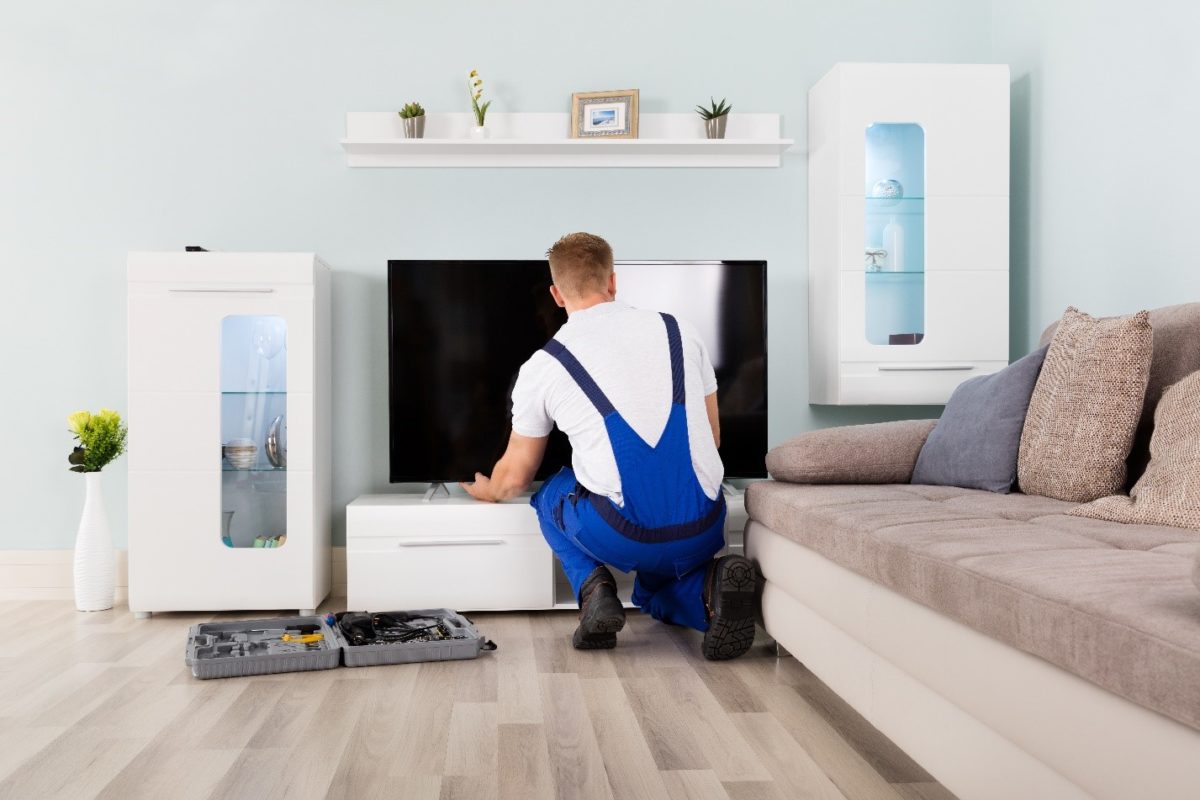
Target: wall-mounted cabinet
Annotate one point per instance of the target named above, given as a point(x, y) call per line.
point(908, 230)
point(229, 398)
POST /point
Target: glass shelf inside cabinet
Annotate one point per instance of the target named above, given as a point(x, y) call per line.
point(894, 224)
point(253, 431)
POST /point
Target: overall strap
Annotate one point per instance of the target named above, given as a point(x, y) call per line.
point(675, 345)
point(581, 376)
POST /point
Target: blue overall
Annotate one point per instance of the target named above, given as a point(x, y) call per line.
point(667, 530)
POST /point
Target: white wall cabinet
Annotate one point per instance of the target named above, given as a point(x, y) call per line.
point(229, 431)
point(908, 230)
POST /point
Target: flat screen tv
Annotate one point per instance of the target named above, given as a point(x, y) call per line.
point(460, 330)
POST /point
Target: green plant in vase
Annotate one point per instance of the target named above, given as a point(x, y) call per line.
point(101, 438)
point(479, 106)
point(413, 116)
point(715, 117)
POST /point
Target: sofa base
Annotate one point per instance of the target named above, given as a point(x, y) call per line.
point(985, 719)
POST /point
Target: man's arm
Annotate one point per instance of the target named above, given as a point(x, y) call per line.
point(513, 472)
point(710, 405)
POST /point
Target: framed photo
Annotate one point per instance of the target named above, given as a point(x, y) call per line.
point(612, 115)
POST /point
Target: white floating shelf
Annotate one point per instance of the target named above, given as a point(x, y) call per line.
point(376, 139)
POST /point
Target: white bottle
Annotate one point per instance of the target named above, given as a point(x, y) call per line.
point(893, 242)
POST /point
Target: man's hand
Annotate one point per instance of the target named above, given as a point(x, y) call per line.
point(481, 489)
point(513, 472)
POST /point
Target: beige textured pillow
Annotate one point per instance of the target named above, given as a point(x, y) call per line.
point(1168, 493)
point(1085, 407)
point(883, 452)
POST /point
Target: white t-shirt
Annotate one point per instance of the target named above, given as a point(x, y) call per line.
point(625, 351)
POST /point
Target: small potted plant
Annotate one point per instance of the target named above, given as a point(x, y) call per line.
point(715, 117)
point(479, 109)
point(101, 438)
point(414, 120)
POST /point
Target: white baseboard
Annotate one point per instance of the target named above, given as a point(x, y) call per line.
point(46, 574)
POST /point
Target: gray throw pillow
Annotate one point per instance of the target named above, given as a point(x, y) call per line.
point(975, 443)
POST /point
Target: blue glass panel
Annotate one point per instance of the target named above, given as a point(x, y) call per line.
point(894, 246)
point(253, 431)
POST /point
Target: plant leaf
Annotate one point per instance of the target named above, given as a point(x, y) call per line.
point(80, 468)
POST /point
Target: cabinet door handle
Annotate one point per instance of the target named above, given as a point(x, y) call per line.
point(230, 290)
point(447, 542)
point(925, 367)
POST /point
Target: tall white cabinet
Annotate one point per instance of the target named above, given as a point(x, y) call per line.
point(229, 431)
point(908, 200)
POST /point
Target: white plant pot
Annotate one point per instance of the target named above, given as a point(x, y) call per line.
point(95, 579)
point(480, 132)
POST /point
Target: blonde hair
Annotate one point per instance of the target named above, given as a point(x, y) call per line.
point(580, 264)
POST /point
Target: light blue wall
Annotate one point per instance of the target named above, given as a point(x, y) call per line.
point(1105, 125)
point(153, 125)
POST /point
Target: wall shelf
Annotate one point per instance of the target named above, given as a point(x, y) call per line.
point(375, 139)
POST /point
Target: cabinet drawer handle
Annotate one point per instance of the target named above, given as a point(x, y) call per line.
point(231, 290)
point(447, 542)
point(925, 367)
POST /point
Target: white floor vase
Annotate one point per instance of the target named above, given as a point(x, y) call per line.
point(95, 579)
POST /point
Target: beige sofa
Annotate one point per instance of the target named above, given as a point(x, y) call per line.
point(1012, 650)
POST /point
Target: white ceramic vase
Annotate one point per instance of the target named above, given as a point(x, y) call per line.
point(95, 579)
point(480, 132)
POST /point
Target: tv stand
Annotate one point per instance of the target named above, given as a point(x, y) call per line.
point(433, 550)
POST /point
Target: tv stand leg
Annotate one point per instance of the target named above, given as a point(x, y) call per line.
point(435, 488)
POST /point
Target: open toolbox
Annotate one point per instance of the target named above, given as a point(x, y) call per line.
point(357, 639)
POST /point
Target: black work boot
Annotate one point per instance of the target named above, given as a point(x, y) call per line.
point(601, 614)
point(729, 597)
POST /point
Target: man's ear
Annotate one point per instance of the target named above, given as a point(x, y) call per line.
point(557, 295)
point(612, 284)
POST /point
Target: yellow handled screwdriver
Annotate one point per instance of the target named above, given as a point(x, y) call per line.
point(304, 638)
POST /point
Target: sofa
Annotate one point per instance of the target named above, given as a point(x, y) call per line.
point(1013, 650)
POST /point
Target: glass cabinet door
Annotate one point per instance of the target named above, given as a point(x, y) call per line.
point(894, 258)
point(253, 431)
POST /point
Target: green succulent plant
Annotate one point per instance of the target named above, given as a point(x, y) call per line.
point(411, 110)
point(717, 109)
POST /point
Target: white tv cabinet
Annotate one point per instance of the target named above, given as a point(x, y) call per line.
point(226, 347)
point(907, 231)
point(404, 551)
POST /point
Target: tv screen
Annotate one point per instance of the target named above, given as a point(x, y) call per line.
point(459, 331)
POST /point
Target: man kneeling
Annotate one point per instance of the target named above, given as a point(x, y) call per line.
point(635, 393)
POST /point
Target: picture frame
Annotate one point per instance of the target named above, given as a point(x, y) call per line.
point(608, 115)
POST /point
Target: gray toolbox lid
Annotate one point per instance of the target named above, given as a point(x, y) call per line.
point(462, 640)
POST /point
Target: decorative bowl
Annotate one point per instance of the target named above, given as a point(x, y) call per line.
point(240, 453)
point(888, 189)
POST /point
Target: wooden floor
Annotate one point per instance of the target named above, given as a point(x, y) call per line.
point(101, 705)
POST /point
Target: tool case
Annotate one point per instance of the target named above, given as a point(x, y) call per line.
point(457, 638)
point(297, 644)
point(259, 647)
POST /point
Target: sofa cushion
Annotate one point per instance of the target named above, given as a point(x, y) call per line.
point(976, 441)
point(1169, 491)
point(882, 452)
point(1112, 603)
point(1176, 355)
point(1085, 407)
